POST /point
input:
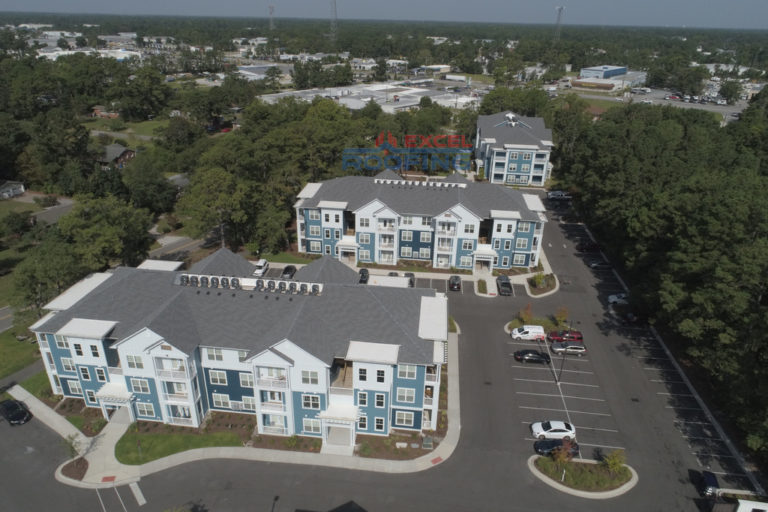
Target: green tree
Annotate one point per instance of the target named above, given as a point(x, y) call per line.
point(730, 90)
point(146, 183)
point(62, 43)
point(614, 460)
point(380, 70)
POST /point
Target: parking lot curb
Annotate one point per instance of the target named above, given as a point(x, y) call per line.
point(613, 493)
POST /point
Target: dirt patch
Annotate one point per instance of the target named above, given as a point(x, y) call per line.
point(398, 446)
point(88, 420)
point(75, 469)
point(241, 424)
point(541, 283)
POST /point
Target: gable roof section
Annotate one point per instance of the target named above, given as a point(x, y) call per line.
point(327, 270)
point(223, 262)
point(529, 131)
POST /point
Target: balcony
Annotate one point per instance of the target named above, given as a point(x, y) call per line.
point(172, 374)
point(180, 421)
point(431, 377)
point(428, 400)
point(115, 370)
point(386, 228)
point(389, 244)
point(273, 406)
point(43, 344)
point(280, 431)
point(342, 391)
point(176, 397)
point(52, 367)
point(272, 383)
point(445, 248)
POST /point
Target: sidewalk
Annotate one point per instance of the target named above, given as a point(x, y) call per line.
point(105, 471)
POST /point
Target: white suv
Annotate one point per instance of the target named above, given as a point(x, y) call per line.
point(261, 267)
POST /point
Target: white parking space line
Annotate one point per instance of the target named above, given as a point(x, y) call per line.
point(727, 474)
point(684, 408)
point(603, 446)
point(693, 422)
point(137, 493)
point(578, 384)
point(563, 410)
point(121, 499)
point(101, 501)
point(598, 429)
point(713, 439)
point(536, 380)
point(673, 394)
point(650, 358)
point(561, 395)
point(524, 343)
point(721, 456)
point(668, 381)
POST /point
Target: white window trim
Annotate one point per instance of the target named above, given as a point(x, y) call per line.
point(376, 424)
point(406, 236)
point(67, 364)
point(406, 371)
point(214, 377)
point(505, 261)
point(507, 245)
point(362, 398)
point(75, 388)
point(524, 227)
point(365, 255)
point(467, 245)
point(95, 348)
point(139, 385)
point(314, 215)
point(521, 243)
point(425, 237)
point(308, 376)
point(313, 400)
point(364, 421)
point(249, 403)
point(404, 418)
point(85, 374)
point(214, 354)
point(148, 409)
point(519, 259)
point(383, 401)
point(248, 380)
point(406, 252)
point(101, 375)
point(425, 252)
point(365, 238)
point(403, 395)
point(90, 396)
point(315, 246)
point(314, 230)
point(134, 362)
point(223, 400)
point(311, 425)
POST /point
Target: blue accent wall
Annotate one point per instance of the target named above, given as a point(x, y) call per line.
point(299, 413)
point(93, 384)
point(151, 397)
point(416, 384)
point(461, 252)
point(57, 354)
point(232, 388)
point(416, 419)
point(372, 412)
point(371, 246)
point(416, 244)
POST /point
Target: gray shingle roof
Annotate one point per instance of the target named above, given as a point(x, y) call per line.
point(189, 317)
point(531, 131)
point(327, 270)
point(223, 263)
point(479, 197)
point(113, 152)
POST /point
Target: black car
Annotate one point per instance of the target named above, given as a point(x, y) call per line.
point(504, 285)
point(364, 274)
point(411, 279)
point(393, 274)
point(531, 356)
point(454, 283)
point(547, 446)
point(288, 272)
point(587, 246)
point(14, 412)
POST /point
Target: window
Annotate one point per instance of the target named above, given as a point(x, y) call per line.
point(469, 228)
point(498, 228)
point(100, 375)
point(327, 249)
point(365, 255)
point(425, 237)
point(134, 362)
point(314, 230)
point(327, 217)
point(425, 253)
point(519, 259)
point(365, 238)
point(495, 260)
point(522, 243)
point(310, 401)
point(407, 220)
point(426, 221)
point(241, 355)
point(147, 410)
point(140, 385)
point(365, 222)
point(90, 396)
point(362, 399)
point(406, 236)
point(405, 252)
point(509, 228)
point(214, 354)
point(507, 245)
point(314, 215)
point(496, 243)
point(406, 371)
point(525, 168)
point(336, 217)
point(362, 374)
point(311, 426)
point(275, 373)
point(66, 363)
point(379, 425)
point(513, 155)
point(220, 401)
point(513, 168)
point(379, 375)
point(74, 387)
point(308, 377)
point(465, 261)
point(314, 246)
point(249, 403)
point(379, 400)
point(510, 178)
point(327, 233)
point(246, 380)
point(217, 377)
point(404, 418)
point(78, 349)
point(95, 350)
point(526, 156)
point(467, 245)
point(61, 341)
point(336, 234)
point(84, 373)
point(406, 395)
point(362, 423)
point(524, 227)
point(505, 261)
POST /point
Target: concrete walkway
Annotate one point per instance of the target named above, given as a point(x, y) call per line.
point(105, 471)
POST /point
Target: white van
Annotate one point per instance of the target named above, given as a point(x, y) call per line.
point(528, 332)
point(261, 267)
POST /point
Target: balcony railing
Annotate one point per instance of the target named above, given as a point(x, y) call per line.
point(272, 383)
point(177, 397)
point(342, 391)
point(387, 227)
point(281, 431)
point(426, 425)
point(172, 374)
point(431, 377)
point(428, 400)
point(43, 344)
point(272, 406)
point(115, 371)
point(180, 421)
point(447, 232)
point(52, 367)
point(445, 248)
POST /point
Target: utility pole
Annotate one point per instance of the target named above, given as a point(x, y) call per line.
point(334, 23)
point(271, 18)
point(559, 10)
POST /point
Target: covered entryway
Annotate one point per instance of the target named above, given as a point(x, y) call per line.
point(484, 256)
point(347, 250)
point(112, 396)
point(338, 427)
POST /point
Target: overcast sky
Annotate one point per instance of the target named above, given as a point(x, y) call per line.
point(747, 14)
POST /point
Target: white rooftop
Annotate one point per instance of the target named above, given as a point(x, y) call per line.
point(77, 291)
point(340, 205)
point(168, 266)
point(505, 214)
point(365, 352)
point(309, 190)
point(339, 412)
point(86, 328)
point(115, 390)
point(433, 319)
point(533, 202)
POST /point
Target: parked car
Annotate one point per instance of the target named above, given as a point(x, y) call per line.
point(411, 279)
point(547, 446)
point(619, 299)
point(553, 430)
point(532, 356)
point(288, 272)
point(454, 283)
point(14, 412)
point(393, 274)
point(528, 332)
point(587, 246)
point(599, 265)
point(708, 485)
point(559, 195)
point(569, 347)
point(565, 335)
point(261, 267)
point(630, 318)
point(504, 285)
point(364, 275)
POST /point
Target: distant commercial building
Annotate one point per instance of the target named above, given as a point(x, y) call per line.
point(602, 71)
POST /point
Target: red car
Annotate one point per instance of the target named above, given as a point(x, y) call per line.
point(574, 336)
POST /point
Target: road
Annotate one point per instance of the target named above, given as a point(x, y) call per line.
point(6, 318)
point(120, 135)
point(175, 247)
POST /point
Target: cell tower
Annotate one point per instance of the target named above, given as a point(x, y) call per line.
point(559, 10)
point(334, 22)
point(271, 17)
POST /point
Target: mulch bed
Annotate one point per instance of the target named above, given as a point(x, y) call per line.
point(549, 285)
point(75, 469)
point(380, 447)
point(293, 443)
point(93, 420)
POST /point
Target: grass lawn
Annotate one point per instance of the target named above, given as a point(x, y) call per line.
point(606, 104)
point(584, 477)
point(38, 385)
point(9, 205)
point(146, 127)
point(156, 446)
point(14, 354)
point(482, 287)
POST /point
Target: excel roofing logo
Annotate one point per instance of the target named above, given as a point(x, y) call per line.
point(427, 152)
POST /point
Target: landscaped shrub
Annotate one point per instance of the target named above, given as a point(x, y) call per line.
point(482, 287)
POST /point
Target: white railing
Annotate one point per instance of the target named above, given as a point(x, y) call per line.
point(176, 396)
point(387, 245)
point(272, 383)
point(172, 374)
point(115, 371)
point(447, 232)
point(275, 430)
point(180, 421)
point(342, 391)
point(386, 227)
point(426, 425)
point(428, 400)
point(431, 377)
point(445, 248)
point(51, 366)
point(272, 406)
point(43, 344)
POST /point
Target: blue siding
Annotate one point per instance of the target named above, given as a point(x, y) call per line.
point(57, 354)
point(202, 385)
point(65, 387)
point(416, 384)
point(93, 384)
point(372, 412)
point(299, 413)
point(371, 246)
point(461, 252)
point(151, 397)
point(416, 419)
point(231, 389)
point(308, 223)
